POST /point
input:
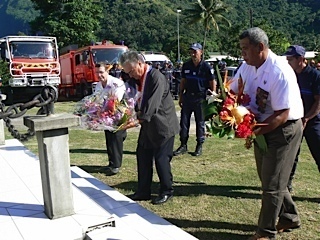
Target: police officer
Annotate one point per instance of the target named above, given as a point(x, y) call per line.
point(309, 84)
point(222, 69)
point(115, 70)
point(167, 72)
point(157, 65)
point(197, 78)
point(177, 79)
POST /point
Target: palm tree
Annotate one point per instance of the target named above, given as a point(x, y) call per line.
point(209, 12)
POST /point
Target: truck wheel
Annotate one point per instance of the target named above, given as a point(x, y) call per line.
point(84, 90)
point(67, 93)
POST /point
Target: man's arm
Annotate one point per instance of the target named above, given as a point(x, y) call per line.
point(275, 120)
point(182, 88)
point(154, 89)
point(314, 110)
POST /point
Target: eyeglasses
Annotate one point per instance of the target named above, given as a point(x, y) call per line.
point(130, 71)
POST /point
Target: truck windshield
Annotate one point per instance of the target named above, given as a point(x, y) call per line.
point(107, 55)
point(33, 50)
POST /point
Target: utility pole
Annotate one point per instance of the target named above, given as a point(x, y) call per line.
point(178, 11)
point(251, 18)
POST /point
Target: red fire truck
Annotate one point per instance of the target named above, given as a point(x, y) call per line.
point(78, 66)
point(33, 63)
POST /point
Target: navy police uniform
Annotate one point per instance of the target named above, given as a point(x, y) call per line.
point(177, 75)
point(167, 72)
point(309, 84)
point(115, 71)
point(196, 85)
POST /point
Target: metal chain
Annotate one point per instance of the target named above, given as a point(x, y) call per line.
point(44, 100)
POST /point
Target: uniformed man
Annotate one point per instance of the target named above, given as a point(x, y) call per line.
point(309, 84)
point(167, 72)
point(197, 78)
point(115, 70)
point(157, 65)
point(177, 74)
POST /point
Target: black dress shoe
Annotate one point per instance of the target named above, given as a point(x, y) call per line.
point(181, 150)
point(139, 197)
point(109, 171)
point(198, 150)
point(162, 199)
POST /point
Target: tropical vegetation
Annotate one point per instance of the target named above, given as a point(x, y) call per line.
point(208, 12)
point(152, 24)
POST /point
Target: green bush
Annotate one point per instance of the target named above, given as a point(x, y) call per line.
point(4, 72)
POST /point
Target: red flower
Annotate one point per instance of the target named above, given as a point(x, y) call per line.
point(243, 131)
point(229, 102)
point(225, 115)
point(111, 105)
point(249, 119)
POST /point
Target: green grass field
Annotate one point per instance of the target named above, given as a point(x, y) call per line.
point(217, 195)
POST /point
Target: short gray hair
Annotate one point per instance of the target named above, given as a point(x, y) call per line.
point(131, 57)
point(255, 35)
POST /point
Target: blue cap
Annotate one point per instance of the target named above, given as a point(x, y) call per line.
point(196, 46)
point(295, 50)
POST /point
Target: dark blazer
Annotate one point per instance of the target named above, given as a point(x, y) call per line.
point(157, 111)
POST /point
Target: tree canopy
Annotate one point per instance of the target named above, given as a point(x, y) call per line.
point(152, 24)
point(208, 12)
point(71, 21)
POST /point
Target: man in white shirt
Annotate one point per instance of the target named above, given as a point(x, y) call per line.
point(114, 141)
point(275, 99)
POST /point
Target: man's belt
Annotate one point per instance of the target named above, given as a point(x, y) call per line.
point(288, 122)
point(196, 94)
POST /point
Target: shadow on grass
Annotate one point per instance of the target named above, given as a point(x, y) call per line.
point(91, 168)
point(219, 235)
point(224, 226)
point(303, 199)
point(198, 189)
point(86, 150)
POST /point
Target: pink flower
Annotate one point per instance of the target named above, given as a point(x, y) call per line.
point(103, 111)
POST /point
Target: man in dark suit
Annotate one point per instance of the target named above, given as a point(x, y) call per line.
point(159, 125)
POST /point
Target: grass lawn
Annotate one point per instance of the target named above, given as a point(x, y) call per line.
point(217, 195)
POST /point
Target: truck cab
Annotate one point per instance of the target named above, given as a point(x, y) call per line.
point(155, 57)
point(78, 66)
point(33, 62)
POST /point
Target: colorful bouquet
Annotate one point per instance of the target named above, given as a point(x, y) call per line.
point(103, 111)
point(227, 114)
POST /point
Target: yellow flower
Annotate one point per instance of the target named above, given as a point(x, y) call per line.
point(238, 113)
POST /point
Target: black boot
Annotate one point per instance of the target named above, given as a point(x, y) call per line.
point(181, 150)
point(198, 150)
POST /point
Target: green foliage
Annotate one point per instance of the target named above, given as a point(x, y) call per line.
point(209, 12)
point(152, 24)
point(4, 72)
point(21, 10)
point(72, 22)
point(277, 40)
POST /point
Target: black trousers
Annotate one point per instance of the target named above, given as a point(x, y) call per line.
point(312, 136)
point(162, 156)
point(114, 144)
